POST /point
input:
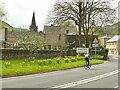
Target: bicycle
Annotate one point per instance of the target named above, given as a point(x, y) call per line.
point(87, 59)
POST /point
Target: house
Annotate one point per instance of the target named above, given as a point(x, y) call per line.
point(55, 37)
point(58, 38)
point(2, 37)
point(113, 45)
point(3, 32)
point(103, 40)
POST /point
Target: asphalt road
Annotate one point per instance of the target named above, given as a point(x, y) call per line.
point(99, 76)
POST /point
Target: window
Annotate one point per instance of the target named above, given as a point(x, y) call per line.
point(59, 47)
point(55, 48)
point(49, 47)
point(59, 38)
point(45, 47)
point(44, 36)
point(67, 31)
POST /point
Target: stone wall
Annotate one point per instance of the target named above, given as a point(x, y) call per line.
point(18, 54)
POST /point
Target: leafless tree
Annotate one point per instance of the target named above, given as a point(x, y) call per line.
point(89, 16)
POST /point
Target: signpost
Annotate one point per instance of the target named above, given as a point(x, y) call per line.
point(95, 42)
point(82, 50)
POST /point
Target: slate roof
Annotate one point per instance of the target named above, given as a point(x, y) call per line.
point(106, 37)
point(71, 34)
point(50, 29)
point(114, 38)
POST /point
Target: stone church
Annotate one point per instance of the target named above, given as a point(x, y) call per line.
point(33, 26)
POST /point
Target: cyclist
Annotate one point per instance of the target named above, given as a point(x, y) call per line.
point(87, 59)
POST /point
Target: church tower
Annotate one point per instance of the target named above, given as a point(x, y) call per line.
point(33, 26)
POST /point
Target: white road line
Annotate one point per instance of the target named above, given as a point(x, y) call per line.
point(86, 80)
point(116, 87)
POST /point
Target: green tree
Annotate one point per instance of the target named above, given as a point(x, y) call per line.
point(88, 16)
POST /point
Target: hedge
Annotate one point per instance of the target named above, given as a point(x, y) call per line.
point(17, 51)
point(16, 54)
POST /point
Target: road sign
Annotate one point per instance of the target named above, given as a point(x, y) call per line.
point(95, 41)
point(82, 50)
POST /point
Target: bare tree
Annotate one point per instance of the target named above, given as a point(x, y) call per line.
point(88, 16)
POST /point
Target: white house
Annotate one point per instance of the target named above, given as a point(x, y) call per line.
point(113, 45)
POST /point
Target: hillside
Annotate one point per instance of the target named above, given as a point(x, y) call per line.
point(20, 29)
point(111, 29)
point(10, 28)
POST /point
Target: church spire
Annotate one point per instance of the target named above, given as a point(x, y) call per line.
point(33, 26)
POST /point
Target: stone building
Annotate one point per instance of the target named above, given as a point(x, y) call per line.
point(4, 33)
point(103, 40)
point(113, 45)
point(55, 37)
point(2, 37)
point(58, 38)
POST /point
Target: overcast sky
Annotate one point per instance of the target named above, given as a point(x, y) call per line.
point(19, 12)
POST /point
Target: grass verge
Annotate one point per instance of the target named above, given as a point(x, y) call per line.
point(29, 66)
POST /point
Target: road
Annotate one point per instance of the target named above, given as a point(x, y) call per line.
point(99, 76)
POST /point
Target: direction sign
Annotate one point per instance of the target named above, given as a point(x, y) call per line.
point(82, 50)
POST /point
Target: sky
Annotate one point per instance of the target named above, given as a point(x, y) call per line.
point(19, 12)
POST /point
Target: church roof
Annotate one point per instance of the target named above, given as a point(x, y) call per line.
point(33, 26)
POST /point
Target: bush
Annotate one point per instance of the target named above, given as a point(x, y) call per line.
point(73, 60)
point(71, 52)
point(58, 61)
point(78, 59)
point(44, 63)
point(40, 63)
point(103, 53)
point(50, 62)
point(66, 61)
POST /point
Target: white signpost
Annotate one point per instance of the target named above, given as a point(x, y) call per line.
point(82, 50)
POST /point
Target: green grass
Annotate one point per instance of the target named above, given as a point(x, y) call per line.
point(29, 66)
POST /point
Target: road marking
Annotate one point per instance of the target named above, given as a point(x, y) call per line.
point(86, 80)
point(116, 87)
